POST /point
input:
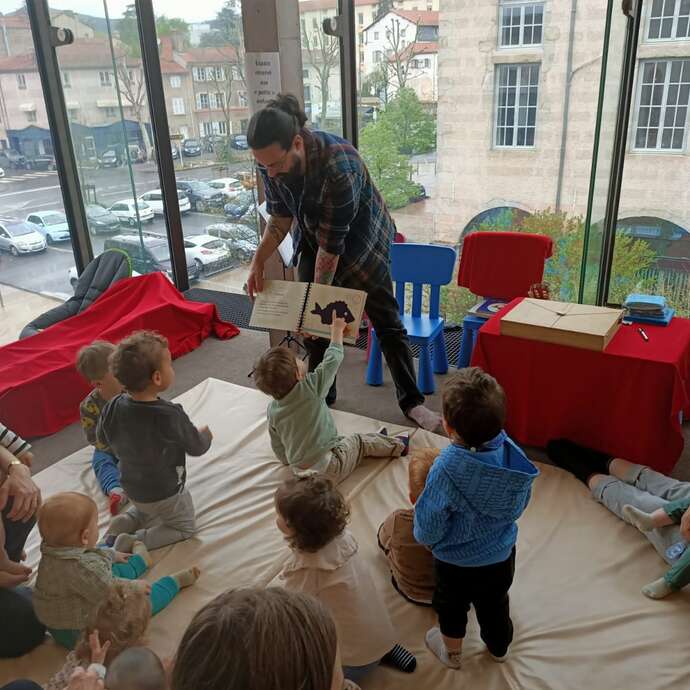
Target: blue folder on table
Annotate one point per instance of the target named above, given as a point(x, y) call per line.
point(661, 320)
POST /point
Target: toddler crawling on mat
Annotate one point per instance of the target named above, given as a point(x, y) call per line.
point(303, 433)
point(150, 437)
point(74, 576)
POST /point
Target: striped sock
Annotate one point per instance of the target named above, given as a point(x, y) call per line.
point(401, 659)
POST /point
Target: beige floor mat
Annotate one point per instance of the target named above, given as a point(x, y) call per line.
point(580, 619)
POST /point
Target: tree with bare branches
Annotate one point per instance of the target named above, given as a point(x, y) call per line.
point(400, 50)
point(132, 88)
point(322, 55)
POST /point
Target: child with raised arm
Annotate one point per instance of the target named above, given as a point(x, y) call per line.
point(151, 437)
point(74, 576)
point(313, 516)
point(303, 433)
point(92, 364)
point(476, 490)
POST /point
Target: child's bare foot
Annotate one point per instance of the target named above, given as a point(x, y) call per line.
point(186, 578)
point(125, 542)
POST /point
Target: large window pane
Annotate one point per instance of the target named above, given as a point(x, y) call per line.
point(35, 239)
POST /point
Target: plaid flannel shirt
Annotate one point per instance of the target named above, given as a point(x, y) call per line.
point(338, 210)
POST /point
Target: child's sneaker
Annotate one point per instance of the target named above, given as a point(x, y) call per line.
point(499, 659)
point(117, 500)
point(404, 438)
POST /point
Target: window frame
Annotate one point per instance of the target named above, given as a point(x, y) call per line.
point(176, 101)
point(674, 25)
point(199, 104)
point(658, 149)
point(175, 81)
point(522, 5)
point(31, 116)
point(21, 81)
point(66, 79)
point(515, 126)
point(107, 81)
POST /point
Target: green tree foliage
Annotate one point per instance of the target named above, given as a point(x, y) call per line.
point(165, 26)
point(414, 127)
point(389, 169)
point(226, 29)
point(128, 29)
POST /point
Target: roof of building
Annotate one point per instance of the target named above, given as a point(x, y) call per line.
point(15, 21)
point(422, 48)
point(172, 67)
point(314, 5)
point(18, 63)
point(210, 55)
point(420, 18)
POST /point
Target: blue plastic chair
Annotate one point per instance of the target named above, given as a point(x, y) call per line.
point(419, 264)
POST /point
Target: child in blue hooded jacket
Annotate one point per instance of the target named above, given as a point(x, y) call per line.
point(476, 490)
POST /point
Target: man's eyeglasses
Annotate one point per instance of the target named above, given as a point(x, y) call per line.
point(273, 166)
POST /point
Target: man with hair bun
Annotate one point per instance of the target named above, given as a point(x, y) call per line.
point(342, 232)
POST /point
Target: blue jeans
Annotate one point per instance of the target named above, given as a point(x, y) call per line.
point(21, 685)
point(105, 466)
point(163, 591)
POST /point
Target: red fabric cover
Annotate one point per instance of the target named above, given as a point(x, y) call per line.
point(503, 264)
point(40, 389)
point(624, 401)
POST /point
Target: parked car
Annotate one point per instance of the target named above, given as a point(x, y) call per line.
point(45, 161)
point(109, 159)
point(148, 253)
point(209, 253)
point(418, 193)
point(126, 211)
point(101, 220)
point(136, 154)
point(241, 240)
point(230, 186)
point(11, 158)
point(201, 196)
point(19, 237)
point(191, 147)
point(174, 149)
point(154, 199)
point(51, 224)
point(239, 142)
point(214, 142)
point(242, 207)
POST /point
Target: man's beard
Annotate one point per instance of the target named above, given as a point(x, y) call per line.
point(294, 174)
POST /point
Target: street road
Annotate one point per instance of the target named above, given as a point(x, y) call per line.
point(23, 192)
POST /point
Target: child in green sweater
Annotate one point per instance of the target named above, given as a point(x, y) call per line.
point(303, 433)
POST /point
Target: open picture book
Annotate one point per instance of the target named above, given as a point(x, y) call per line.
point(286, 305)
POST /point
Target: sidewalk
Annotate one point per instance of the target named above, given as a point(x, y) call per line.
point(20, 307)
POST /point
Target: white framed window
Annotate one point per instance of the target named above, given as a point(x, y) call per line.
point(305, 74)
point(668, 20)
point(175, 82)
point(662, 105)
point(31, 116)
point(242, 99)
point(376, 35)
point(360, 18)
point(219, 73)
point(522, 24)
point(378, 56)
point(21, 81)
point(202, 101)
point(221, 127)
point(427, 63)
point(517, 93)
point(208, 128)
point(315, 23)
point(178, 106)
point(73, 114)
point(235, 73)
point(199, 73)
point(110, 112)
point(105, 78)
point(66, 80)
point(217, 100)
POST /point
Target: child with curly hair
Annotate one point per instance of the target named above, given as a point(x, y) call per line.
point(313, 516)
point(75, 577)
point(117, 624)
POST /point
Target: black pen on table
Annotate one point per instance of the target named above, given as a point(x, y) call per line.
point(645, 337)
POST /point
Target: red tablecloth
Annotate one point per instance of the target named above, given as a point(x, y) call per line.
point(624, 401)
point(40, 389)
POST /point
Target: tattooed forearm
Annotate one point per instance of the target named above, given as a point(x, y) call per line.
point(326, 265)
point(277, 230)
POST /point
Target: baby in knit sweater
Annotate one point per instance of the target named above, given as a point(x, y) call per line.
point(302, 431)
point(74, 576)
point(476, 490)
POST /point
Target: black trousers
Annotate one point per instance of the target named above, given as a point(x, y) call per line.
point(486, 588)
point(25, 631)
point(384, 313)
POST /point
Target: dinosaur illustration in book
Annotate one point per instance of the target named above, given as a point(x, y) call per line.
point(339, 308)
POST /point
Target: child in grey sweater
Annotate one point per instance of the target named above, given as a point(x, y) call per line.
point(151, 438)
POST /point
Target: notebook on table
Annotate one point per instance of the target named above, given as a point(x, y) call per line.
point(309, 308)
